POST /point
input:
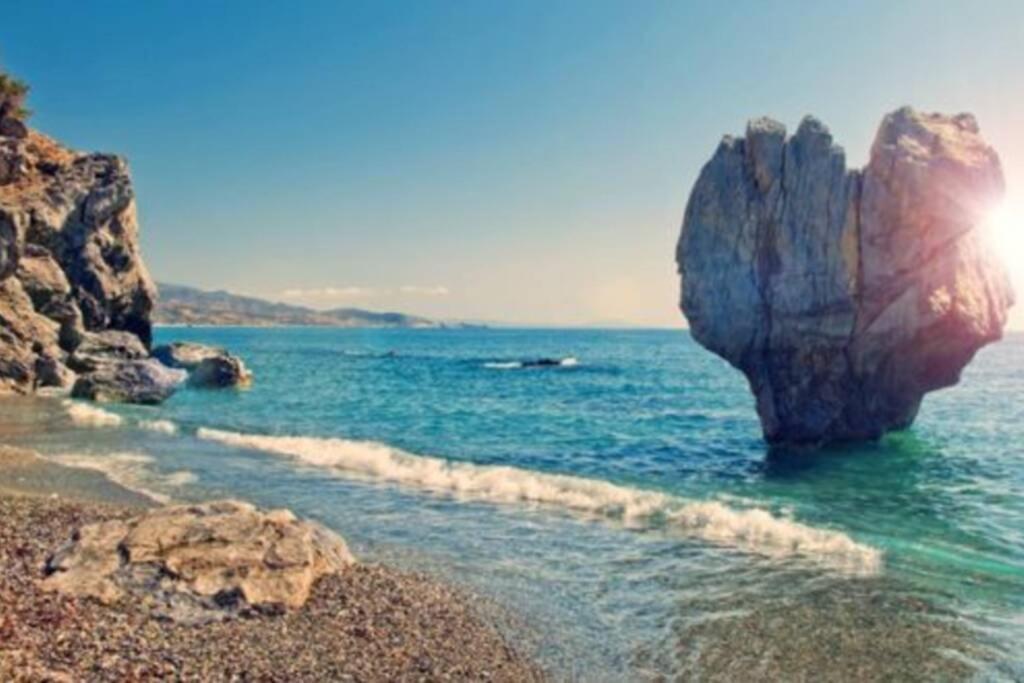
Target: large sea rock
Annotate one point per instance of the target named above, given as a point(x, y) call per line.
point(70, 263)
point(844, 296)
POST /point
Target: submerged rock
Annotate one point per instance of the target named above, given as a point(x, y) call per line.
point(209, 367)
point(220, 372)
point(844, 296)
point(199, 562)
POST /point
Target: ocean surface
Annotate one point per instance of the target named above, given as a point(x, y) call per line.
point(617, 511)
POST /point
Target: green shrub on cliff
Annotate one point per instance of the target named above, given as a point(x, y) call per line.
point(12, 98)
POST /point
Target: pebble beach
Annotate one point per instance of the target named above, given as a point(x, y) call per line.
point(370, 623)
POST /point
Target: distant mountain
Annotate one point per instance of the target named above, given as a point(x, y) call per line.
point(180, 305)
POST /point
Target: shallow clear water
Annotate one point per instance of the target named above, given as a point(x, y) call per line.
point(614, 582)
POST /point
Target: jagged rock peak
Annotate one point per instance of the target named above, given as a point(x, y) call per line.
point(844, 296)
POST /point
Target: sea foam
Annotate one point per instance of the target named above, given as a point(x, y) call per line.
point(132, 471)
point(160, 426)
point(85, 415)
point(754, 530)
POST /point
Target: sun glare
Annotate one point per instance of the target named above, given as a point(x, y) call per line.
point(1005, 229)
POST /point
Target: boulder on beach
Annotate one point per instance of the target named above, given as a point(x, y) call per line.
point(209, 367)
point(197, 563)
point(845, 296)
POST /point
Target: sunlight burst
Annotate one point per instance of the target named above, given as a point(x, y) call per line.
point(1005, 230)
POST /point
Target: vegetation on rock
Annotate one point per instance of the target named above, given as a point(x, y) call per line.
point(12, 97)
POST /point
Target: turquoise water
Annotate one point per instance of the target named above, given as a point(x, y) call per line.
point(692, 529)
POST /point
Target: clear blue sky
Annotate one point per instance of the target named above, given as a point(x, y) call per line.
point(523, 161)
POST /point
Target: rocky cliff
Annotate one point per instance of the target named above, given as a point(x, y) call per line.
point(843, 295)
point(70, 265)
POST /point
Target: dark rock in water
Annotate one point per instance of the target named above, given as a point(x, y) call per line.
point(209, 367)
point(566, 362)
point(220, 372)
point(129, 381)
point(542, 363)
point(845, 296)
point(185, 355)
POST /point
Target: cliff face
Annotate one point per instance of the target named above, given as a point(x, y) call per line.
point(70, 264)
point(844, 296)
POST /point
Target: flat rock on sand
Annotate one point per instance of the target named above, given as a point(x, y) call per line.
point(368, 623)
point(199, 562)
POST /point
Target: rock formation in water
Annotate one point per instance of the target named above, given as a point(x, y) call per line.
point(195, 563)
point(208, 367)
point(844, 296)
point(70, 263)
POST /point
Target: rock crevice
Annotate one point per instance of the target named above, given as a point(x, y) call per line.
point(844, 295)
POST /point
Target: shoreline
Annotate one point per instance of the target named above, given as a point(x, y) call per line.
point(369, 623)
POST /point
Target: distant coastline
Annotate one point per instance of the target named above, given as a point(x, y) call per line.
point(183, 306)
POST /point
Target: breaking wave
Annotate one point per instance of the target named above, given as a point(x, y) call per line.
point(754, 530)
point(88, 415)
point(85, 415)
point(160, 426)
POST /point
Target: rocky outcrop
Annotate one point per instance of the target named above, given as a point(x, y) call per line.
point(209, 367)
point(844, 296)
point(70, 263)
point(145, 381)
point(98, 349)
point(199, 562)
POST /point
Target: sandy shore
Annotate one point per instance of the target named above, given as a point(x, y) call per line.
point(371, 623)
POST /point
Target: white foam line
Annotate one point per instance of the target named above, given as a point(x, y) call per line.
point(160, 426)
point(129, 470)
point(85, 415)
point(753, 530)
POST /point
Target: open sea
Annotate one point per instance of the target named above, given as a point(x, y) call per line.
point(617, 512)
